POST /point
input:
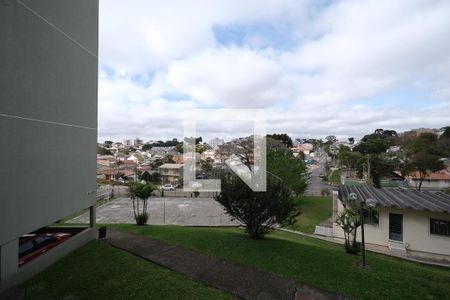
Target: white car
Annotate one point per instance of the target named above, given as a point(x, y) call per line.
point(168, 187)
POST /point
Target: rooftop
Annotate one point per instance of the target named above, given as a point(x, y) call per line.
point(400, 198)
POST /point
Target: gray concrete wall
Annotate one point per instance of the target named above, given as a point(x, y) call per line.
point(48, 112)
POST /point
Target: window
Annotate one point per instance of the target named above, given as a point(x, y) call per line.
point(371, 216)
point(440, 227)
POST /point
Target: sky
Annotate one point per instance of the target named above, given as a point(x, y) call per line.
point(318, 68)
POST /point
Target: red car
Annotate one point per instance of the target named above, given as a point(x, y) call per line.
point(33, 245)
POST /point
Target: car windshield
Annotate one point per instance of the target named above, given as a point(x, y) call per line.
point(25, 248)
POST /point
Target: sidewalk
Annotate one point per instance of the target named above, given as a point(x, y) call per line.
point(245, 282)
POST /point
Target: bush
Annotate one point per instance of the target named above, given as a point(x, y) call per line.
point(353, 249)
point(325, 192)
point(348, 219)
point(259, 211)
point(141, 219)
point(138, 193)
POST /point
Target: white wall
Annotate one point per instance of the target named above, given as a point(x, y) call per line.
point(416, 230)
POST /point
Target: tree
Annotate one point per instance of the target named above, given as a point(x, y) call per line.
point(206, 165)
point(103, 151)
point(377, 142)
point(259, 211)
point(108, 144)
point(351, 140)
point(380, 165)
point(349, 220)
point(331, 139)
point(146, 176)
point(241, 147)
point(289, 169)
point(422, 163)
point(283, 137)
point(446, 134)
point(422, 157)
point(140, 193)
point(348, 158)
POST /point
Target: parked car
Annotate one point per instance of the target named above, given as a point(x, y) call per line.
point(33, 245)
point(168, 187)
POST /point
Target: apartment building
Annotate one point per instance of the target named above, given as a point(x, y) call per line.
point(48, 92)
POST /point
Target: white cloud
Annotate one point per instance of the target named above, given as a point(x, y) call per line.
point(347, 51)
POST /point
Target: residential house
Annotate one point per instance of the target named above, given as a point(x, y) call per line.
point(171, 173)
point(437, 180)
point(417, 222)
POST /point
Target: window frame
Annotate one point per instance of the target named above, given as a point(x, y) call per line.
point(368, 215)
point(439, 233)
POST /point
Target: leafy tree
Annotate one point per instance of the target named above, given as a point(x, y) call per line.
point(139, 194)
point(156, 177)
point(422, 163)
point(289, 169)
point(349, 220)
point(276, 145)
point(206, 165)
point(380, 165)
point(103, 151)
point(259, 211)
point(446, 134)
point(108, 144)
point(146, 147)
point(348, 158)
point(331, 139)
point(351, 140)
point(146, 176)
point(283, 137)
point(377, 142)
point(422, 157)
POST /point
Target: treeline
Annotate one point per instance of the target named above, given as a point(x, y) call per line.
point(417, 154)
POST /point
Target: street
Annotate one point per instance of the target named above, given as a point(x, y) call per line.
point(315, 184)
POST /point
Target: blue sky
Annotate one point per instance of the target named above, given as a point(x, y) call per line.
point(317, 68)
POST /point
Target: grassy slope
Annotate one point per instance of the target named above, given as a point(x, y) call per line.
point(315, 262)
point(99, 271)
point(335, 177)
point(315, 210)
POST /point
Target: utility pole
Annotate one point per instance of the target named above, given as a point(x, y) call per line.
point(368, 170)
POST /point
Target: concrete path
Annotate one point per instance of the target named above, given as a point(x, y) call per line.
point(164, 211)
point(245, 282)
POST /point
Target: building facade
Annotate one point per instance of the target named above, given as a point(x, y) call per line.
point(402, 220)
point(48, 86)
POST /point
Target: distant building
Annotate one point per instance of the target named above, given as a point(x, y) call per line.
point(216, 142)
point(171, 173)
point(127, 143)
point(137, 142)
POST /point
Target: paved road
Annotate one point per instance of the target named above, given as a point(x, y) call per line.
point(315, 184)
point(163, 211)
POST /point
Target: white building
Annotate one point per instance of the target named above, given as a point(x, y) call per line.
point(417, 222)
point(216, 142)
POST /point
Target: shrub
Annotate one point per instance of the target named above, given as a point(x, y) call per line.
point(259, 211)
point(349, 220)
point(141, 219)
point(140, 192)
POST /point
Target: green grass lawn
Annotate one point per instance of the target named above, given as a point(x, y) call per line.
point(99, 271)
point(335, 177)
point(311, 261)
point(315, 210)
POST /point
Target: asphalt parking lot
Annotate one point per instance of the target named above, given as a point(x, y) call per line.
point(164, 211)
